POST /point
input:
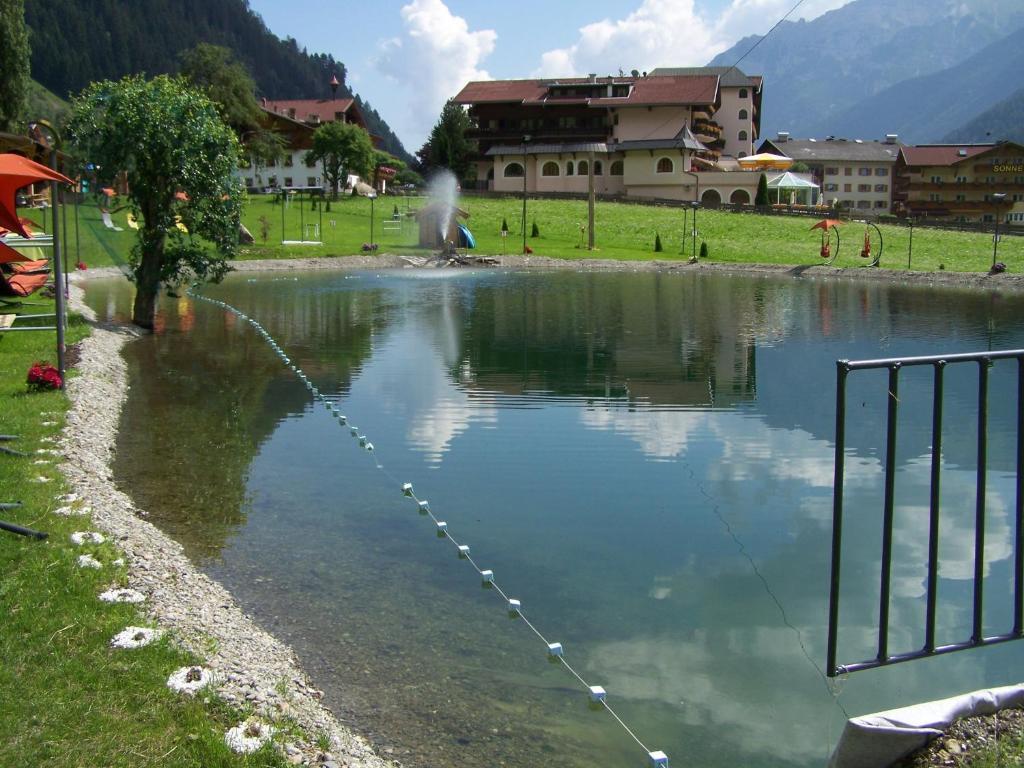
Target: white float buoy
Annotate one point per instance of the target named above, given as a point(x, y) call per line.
point(463, 551)
point(442, 528)
point(597, 693)
point(555, 650)
point(362, 441)
point(407, 489)
point(369, 447)
point(658, 757)
point(515, 607)
point(487, 576)
point(424, 507)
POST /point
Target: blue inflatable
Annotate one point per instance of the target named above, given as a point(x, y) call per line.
point(466, 239)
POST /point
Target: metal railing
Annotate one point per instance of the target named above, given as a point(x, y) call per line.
point(931, 645)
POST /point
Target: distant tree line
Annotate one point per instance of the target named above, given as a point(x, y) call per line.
point(76, 42)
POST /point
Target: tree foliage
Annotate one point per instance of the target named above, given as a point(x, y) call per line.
point(167, 138)
point(761, 198)
point(214, 70)
point(14, 63)
point(343, 148)
point(447, 146)
point(76, 42)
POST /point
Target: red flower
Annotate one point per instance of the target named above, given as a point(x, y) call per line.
point(43, 376)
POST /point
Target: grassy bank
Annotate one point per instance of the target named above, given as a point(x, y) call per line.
point(623, 231)
point(68, 698)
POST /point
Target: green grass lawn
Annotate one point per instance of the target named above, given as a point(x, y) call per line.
point(623, 231)
point(66, 697)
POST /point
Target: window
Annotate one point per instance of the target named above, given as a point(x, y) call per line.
point(550, 168)
point(583, 168)
point(881, 171)
point(598, 168)
point(570, 169)
point(880, 204)
point(665, 165)
point(743, 114)
point(961, 198)
point(616, 168)
point(513, 171)
point(288, 161)
point(312, 181)
point(863, 171)
point(249, 182)
point(863, 187)
point(310, 162)
point(847, 187)
point(245, 162)
point(271, 162)
point(934, 197)
point(742, 136)
point(847, 171)
point(272, 181)
point(743, 93)
point(288, 181)
point(742, 154)
point(936, 179)
point(863, 203)
point(831, 187)
point(831, 170)
point(881, 187)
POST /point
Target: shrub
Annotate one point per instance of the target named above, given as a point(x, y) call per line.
point(535, 232)
point(657, 243)
point(504, 224)
point(703, 250)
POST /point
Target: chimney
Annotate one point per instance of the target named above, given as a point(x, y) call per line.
point(263, 101)
point(334, 86)
point(890, 138)
point(783, 137)
point(592, 77)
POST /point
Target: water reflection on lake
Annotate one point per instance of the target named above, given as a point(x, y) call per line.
point(644, 459)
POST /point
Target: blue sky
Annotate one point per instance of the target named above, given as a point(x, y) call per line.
point(406, 57)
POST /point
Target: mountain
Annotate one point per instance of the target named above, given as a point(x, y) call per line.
point(75, 42)
point(1005, 120)
point(923, 109)
point(817, 71)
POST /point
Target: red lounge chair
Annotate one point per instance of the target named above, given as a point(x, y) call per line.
point(24, 284)
point(27, 267)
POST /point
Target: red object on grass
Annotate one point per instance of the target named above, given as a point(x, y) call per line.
point(43, 376)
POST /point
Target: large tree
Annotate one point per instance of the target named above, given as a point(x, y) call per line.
point(343, 148)
point(14, 66)
point(214, 70)
point(447, 146)
point(178, 157)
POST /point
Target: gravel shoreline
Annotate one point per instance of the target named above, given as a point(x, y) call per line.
point(252, 667)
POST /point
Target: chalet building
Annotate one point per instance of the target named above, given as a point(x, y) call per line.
point(654, 135)
point(296, 120)
point(857, 174)
point(961, 182)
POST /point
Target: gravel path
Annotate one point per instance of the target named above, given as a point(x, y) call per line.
point(251, 665)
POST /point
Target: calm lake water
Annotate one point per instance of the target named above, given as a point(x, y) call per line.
point(644, 459)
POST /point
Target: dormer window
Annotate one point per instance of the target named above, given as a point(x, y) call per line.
point(339, 117)
point(743, 93)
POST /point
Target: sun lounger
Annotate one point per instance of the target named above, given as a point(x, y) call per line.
point(8, 319)
point(25, 267)
point(22, 284)
point(109, 222)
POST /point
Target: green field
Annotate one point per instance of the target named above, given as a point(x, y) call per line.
point(623, 231)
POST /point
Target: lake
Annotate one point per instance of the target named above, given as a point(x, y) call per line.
point(644, 459)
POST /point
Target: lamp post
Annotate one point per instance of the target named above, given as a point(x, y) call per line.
point(373, 196)
point(526, 139)
point(695, 205)
point(998, 199)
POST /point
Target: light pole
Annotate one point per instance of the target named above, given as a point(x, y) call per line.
point(526, 139)
point(695, 205)
point(998, 199)
point(372, 196)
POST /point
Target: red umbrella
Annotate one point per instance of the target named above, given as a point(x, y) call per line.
point(8, 254)
point(17, 172)
point(827, 224)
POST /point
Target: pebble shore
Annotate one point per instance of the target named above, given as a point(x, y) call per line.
point(250, 667)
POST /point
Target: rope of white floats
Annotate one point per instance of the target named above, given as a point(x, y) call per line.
point(555, 651)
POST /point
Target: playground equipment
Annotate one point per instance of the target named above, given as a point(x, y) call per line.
point(308, 231)
point(828, 227)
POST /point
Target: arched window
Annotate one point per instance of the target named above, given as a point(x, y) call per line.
point(743, 114)
point(743, 93)
point(616, 169)
point(550, 168)
point(583, 167)
point(570, 169)
point(598, 168)
point(665, 165)
point(742, 136)
point(513, 171)
point(742, 154)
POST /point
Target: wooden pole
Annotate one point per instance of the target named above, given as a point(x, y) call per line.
point(590, 202)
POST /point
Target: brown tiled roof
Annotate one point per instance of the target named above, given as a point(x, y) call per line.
point(646, 91)
point(942, 154)
point(483, 91)
point(324, 109)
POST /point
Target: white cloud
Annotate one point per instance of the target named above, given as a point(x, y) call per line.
point(434, 56)
point(666, 33)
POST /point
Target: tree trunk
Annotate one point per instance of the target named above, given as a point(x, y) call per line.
point(147, 280)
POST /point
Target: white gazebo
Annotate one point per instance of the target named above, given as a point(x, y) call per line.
point(795, 184)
